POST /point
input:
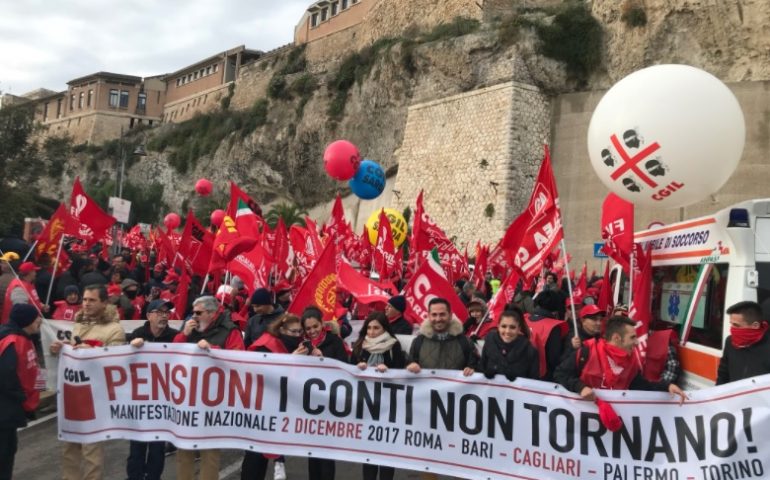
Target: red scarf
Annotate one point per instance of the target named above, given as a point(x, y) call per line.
point(744, 337)
point(611, 357)
point(319, 339)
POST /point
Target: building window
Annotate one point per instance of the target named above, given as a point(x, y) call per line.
point(344, 4)
point(202, 72)
point(314, 20)
point(141, 102)
point(45, 111)
point(123, 99)
point(72, 102)
point(335, 8)
point(178, 81)
point(80, 99)
point(216, 67)
point(58, 107)
point(113, 98)
point(189, 77)
point(90, 97)
point(324, 14)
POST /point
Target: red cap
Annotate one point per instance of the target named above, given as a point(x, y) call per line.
point(114, 290)
point(27, 267)
point(590, 310)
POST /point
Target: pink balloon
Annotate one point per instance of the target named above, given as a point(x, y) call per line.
point(341, 160)
point(203, 187)
point(217, 216)
point(172, 220)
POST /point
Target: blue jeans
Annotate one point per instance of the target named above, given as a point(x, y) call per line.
point(146, 460)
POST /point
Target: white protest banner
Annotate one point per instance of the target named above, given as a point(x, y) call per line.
point(61, 330)
point(435, 421)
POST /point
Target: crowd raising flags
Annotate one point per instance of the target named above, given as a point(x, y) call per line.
point(317, 262)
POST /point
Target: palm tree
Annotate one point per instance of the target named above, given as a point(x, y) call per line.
point(291, 214)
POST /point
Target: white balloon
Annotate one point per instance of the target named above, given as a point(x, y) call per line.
point(666, 136)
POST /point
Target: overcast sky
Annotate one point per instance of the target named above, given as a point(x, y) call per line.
point(45, 43)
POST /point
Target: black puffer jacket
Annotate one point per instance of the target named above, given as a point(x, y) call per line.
point(516, 359)
point(740, 363)
point(333, 347)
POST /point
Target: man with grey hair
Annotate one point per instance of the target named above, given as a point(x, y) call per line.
point(210, 327)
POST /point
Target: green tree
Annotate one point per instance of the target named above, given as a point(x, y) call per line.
point(147, 205)
point(291, 214)
point(20, 167)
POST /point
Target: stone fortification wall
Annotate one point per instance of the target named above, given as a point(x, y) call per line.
point(468, 154)
point(730, 39)
point(186, 108)
point(93, 128)
point(581, 192)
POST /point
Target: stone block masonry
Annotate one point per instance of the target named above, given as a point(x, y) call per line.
point(470, 151)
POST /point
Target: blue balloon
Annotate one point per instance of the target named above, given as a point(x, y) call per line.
point(369, 180)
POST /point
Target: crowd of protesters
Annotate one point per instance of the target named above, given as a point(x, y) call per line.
point(533, 338)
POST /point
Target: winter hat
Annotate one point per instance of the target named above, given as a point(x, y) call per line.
point(398, 302)
point(128, 282)
point(262, 296)
point(23, 314)
point(70, 289)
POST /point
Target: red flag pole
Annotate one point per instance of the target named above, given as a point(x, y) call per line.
point(55, 267)
point(569, 287)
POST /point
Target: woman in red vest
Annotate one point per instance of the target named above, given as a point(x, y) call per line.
point(283, 335)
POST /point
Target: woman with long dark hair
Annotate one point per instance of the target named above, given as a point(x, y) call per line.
point(508, 351)
point(377, 347)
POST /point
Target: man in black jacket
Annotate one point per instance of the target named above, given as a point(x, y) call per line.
point(265, 311)
point(146, 460)
point(394, 310)
point(747, 349)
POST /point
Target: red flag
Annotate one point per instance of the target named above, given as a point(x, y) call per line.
point(298, 238)
point(48, 241)
point(537, 231)
point(90, 223)
point(384, 254)
point(618, 229)
point(253, 268)
point(237, 194)
point(480, 267)
point(497, 305)
point(196, 245)
point(228, 244)
point(579, 287)
point(498, 262)
point(362, 288)
point(428, 282)
point(639, 310)
point(180, 301)
point(427, 235)
point(604, 301)
point(314, 244)
point(281, 251)
point(319, 287)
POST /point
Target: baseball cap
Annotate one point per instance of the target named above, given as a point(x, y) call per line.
point(27, 267)
point(590, 310)
point(158, 304)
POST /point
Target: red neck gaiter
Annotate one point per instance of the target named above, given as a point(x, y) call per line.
point(319, 339)
point(744, 337)
point(614, 361)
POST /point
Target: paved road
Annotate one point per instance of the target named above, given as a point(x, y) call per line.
point(39, 459)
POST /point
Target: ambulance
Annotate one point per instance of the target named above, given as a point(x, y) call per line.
point(700, 268)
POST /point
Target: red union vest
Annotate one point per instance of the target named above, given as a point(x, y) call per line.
point(539, 331)
point(26, 367)
point(65, 311)
point(657, 353)
point(29, 289)
point(593, 373)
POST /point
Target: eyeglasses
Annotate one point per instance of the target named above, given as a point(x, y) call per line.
point(198, 312)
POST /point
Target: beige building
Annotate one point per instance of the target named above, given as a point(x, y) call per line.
point(96, 107)
point(326, 17)
point(200, 87)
